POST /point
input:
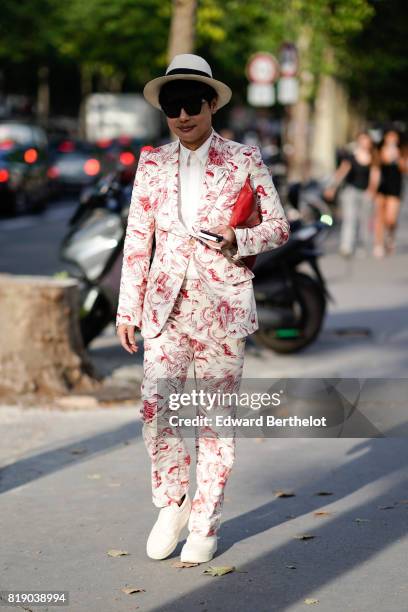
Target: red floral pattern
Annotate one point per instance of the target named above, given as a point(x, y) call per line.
point(192, 331)
point(147, 294)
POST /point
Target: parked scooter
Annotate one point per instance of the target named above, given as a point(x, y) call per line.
point(92, 250)
point(307, 203)
point(291, 304)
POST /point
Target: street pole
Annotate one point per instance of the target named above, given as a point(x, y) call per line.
point(182, 28)
point(182, 31)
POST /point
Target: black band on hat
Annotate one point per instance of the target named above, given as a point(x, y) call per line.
point(188, 71)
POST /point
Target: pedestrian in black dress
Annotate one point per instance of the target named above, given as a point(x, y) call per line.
point(390, 165)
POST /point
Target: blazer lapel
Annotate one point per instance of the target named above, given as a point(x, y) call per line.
point(169, 214)
point(216, 173)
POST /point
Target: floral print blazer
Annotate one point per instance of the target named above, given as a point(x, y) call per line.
point(148, 292)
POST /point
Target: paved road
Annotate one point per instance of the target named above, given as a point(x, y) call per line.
point(29, 244)
point(75, 484)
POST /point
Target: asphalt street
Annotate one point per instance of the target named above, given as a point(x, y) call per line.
point(75, 483)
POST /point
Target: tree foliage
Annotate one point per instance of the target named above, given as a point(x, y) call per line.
point(375, 67)
point(129, 38)
point(241, 27)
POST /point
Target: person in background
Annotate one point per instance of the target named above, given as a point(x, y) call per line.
point(356, 197)
point(389, 167)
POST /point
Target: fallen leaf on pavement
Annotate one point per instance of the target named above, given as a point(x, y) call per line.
point(113, 552)
point(132, 590)
point(219, 570)
point(183, 564)
point(304, 536)
point(311, 600)
point(280, 493)
point(322, 513)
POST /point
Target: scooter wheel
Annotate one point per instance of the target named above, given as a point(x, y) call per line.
point(309, 309)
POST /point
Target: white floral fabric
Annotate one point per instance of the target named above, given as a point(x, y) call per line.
point(147, 296)
point(192, 332)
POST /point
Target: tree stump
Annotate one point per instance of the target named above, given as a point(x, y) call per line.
point(41, 349)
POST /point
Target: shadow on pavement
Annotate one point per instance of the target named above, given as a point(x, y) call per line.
point(36, 466)
point(340, 544)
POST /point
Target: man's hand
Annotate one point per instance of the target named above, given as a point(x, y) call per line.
point(228, 234)
point(126, 335)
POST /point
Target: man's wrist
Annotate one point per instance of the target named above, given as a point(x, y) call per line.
point(234, 240)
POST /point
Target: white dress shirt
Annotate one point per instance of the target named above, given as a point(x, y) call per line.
point(191, 176)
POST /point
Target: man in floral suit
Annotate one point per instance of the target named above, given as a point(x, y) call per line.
point(195, 302)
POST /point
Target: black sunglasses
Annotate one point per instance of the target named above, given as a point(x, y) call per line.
point(192, 106)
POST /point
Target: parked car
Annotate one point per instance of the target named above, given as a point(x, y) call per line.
point(75, 164)
point(23, 167)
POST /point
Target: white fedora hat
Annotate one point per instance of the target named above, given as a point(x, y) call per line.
point(190, 67)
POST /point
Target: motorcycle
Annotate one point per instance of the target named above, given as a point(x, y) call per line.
point(92, 250)
point(291, 304)
point(306, 202)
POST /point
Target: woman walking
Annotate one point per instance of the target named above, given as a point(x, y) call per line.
point(356, 196)
point(388, 174)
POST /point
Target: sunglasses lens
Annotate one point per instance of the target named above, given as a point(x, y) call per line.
point(172, 110)
point(192, 106)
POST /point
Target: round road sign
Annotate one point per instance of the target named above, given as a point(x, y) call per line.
point(262, 68)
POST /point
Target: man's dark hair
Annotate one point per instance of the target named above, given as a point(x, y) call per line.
point(180, 89)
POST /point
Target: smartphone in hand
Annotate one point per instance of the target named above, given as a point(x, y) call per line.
point(207, 235)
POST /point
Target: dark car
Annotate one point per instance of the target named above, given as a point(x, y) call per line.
point(75, 164)
point(23, 167)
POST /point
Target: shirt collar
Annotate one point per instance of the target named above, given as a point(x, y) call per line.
point(202, 151)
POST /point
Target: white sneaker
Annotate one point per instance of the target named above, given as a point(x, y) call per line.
point(165, 534)
point(198, 548)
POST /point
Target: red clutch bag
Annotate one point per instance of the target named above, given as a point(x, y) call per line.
point(246, 214)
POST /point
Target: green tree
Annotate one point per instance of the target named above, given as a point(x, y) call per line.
point(231, 30)
point(375, 66)
point(124, 38)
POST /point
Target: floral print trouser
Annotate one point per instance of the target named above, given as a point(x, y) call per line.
point(191, 333)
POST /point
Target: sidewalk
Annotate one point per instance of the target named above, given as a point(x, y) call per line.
point(75, 484)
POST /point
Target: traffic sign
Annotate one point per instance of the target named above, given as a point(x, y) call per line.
point(262, 68)
point(259, 94)
point(288, 60)
point(288, 90)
